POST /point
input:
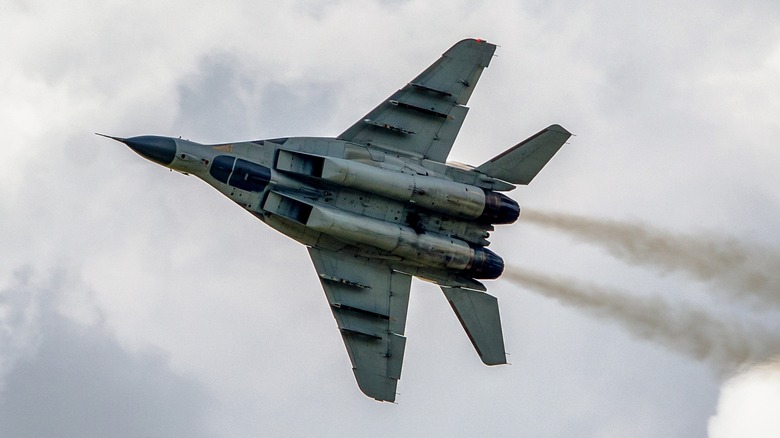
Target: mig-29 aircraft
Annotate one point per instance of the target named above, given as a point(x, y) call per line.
point(377, 205)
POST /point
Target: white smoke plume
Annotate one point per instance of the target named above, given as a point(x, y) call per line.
point(738, 271)
point(726, 345)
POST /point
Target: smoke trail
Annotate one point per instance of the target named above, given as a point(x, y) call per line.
point(742, 272)
point(725, 345)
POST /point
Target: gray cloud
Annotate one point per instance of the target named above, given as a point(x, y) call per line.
point(19, 321)
point(76, 380)
point(226, 99)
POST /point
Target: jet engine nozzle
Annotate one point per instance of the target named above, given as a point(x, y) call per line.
point(499, 209)
point(485, 265)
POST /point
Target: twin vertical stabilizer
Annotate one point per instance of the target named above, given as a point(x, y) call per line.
point(521, 163)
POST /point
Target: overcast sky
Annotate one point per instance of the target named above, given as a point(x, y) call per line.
point(135, 301)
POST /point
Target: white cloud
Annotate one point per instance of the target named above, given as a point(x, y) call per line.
point(749, 404)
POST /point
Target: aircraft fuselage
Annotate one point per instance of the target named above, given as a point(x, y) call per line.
point(335, 195)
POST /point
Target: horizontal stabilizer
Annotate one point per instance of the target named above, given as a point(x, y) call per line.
point(478, 314)
point(521, 163)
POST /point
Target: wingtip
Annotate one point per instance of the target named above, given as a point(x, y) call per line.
point(558, 128)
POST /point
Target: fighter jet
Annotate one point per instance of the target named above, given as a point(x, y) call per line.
point(378, 204)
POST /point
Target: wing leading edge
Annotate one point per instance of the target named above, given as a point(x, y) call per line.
point(424, 117)
point(369, 302)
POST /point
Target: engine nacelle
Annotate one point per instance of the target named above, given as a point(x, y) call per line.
point(428, 192)
point(426, 249)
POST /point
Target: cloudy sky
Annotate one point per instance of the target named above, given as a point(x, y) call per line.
point(135, 301)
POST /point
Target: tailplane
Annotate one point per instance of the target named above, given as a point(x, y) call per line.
point(478, 314)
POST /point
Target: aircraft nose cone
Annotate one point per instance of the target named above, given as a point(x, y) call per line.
point(161, 150)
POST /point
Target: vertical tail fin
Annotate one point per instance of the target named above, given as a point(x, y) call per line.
point(521, 163)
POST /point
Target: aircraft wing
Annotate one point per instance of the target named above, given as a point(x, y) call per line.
point(369, 301)
point(424, 117)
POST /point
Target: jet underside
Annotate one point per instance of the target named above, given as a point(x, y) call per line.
point(287, 191)
point(378, 204)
